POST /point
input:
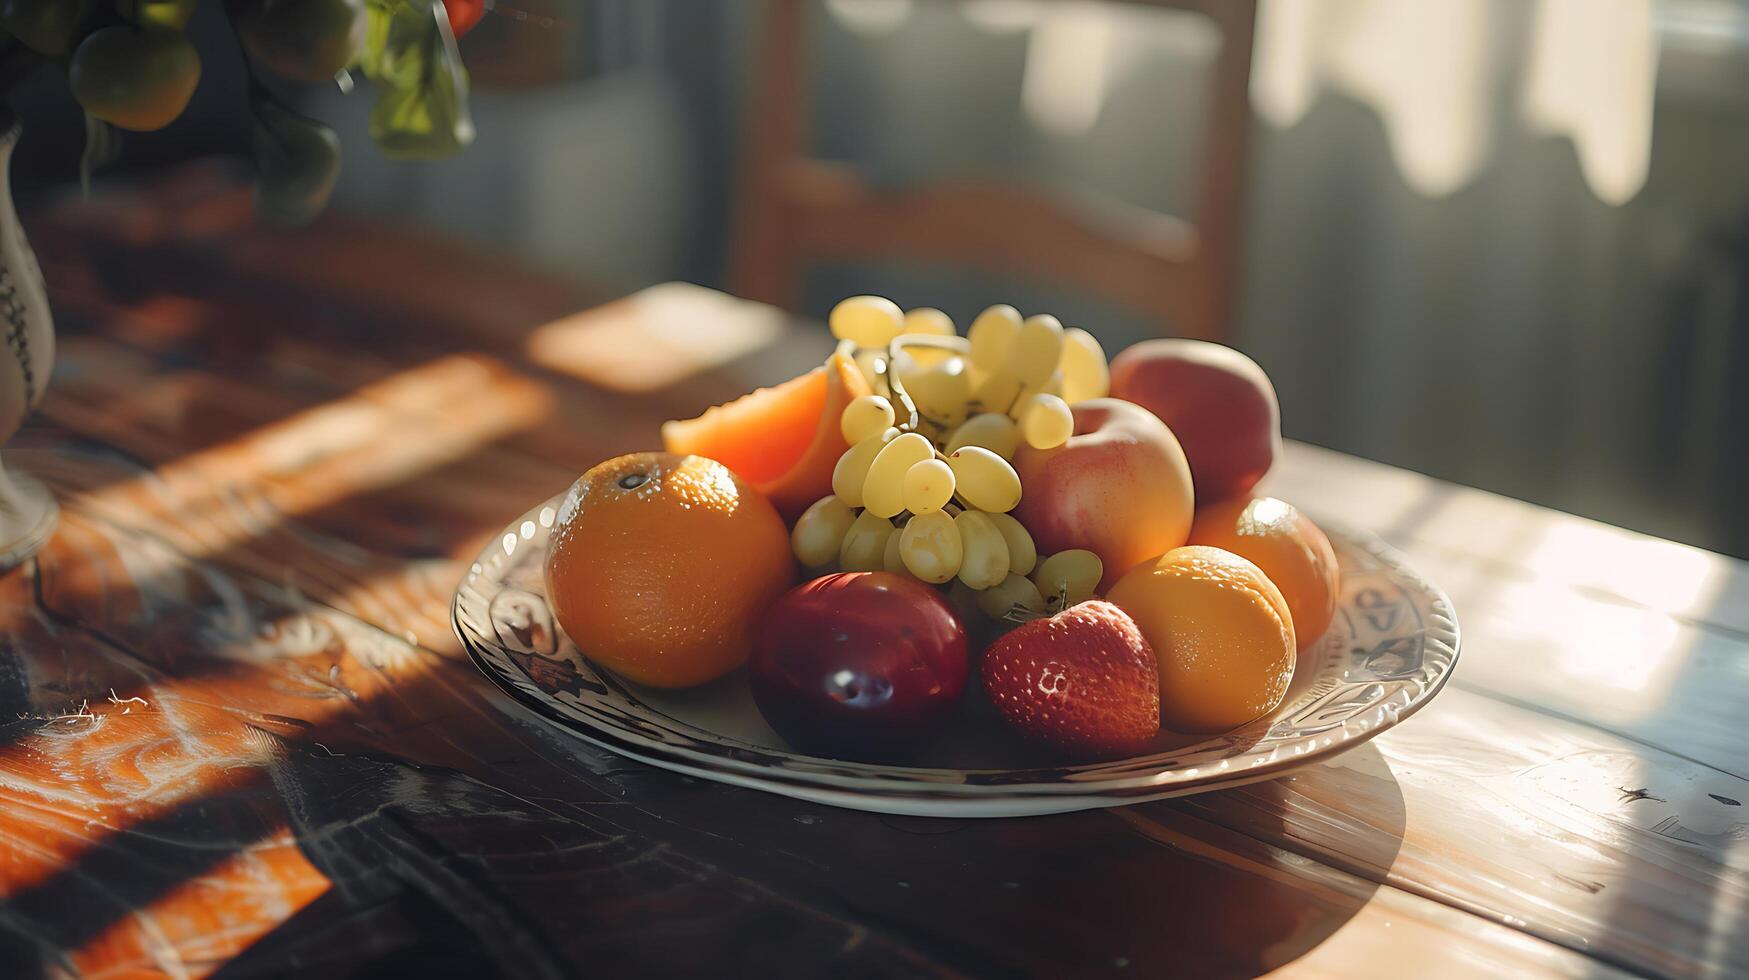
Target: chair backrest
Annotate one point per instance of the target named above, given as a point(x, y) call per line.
point(794, 209)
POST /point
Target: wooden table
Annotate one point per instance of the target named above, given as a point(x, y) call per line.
point(241, 738)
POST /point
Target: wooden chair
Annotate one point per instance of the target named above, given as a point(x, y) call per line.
point(795, 209)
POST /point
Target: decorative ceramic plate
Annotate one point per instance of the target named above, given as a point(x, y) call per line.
point(1391, 647)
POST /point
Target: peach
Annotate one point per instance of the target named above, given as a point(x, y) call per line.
point(1218, 403)
point(1273, 535)
point(1120, 488)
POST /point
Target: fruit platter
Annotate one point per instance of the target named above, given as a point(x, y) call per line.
point(981, 575)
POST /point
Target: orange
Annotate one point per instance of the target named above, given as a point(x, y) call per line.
point(1221, 631)
point(1291, 550)
point(659, 565)
point(783, 440)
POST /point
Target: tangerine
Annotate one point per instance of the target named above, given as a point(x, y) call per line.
point(783, 440)
point(1221, 632)
point(659, 565)
point(1273, 535)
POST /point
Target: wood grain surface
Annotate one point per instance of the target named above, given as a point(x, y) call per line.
point(239, 738)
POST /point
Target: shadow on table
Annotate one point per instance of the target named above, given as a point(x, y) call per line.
point(457, 836)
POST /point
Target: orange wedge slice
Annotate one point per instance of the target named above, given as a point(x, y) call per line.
point(784, 440)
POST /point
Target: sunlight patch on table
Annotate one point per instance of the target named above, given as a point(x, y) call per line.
point(656, 338)
point(385, 434)
point(1647, 570)
point(209, 920)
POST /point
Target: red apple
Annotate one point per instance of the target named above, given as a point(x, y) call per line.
point(1218, 403)
point(859, 665)
point(1120, 488)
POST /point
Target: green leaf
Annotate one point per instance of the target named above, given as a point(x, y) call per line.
point(410, 52)
point(377, 15)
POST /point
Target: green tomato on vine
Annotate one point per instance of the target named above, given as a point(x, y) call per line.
point(301, 40)
point(134, 77)
point(44, 26)
point(130, 66)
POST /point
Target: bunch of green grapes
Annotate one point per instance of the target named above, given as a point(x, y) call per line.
point(926, 487)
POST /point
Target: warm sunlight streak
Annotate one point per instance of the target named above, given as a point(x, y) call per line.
point(1068, 69)
point(1592, 70)
point(1425, 71)
point(154, 735)
point(1284, 69)
point(385, 433)
point(1646, 570)
point(655, 338)
point(1618, 647)
point(104, 767)
point(185, 929)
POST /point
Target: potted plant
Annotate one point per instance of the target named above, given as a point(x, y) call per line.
point(132, 68)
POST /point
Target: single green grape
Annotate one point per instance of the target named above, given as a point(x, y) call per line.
point(991, 335)
point(930, 321)
point(891, 559)
point(984, 555)
point(1014, 598)
point(864, 417)
point(1068, 577)
point(941, 392)
point(819, 532)
point(1086, 373)
point(851, 471)
point(984, 479)
point(994, 431)
point(928, 486)
point(1036, 349)
point(1022, 553)
point(866, 321)
point(1046, 422)
point(865, 544)
point(930, 547)
point(883, 491)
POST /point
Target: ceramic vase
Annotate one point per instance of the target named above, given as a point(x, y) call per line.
point(27, 511)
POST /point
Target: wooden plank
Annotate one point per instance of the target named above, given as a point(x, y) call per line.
point(1622, 667)
point(1564, 831)
point(1502, 810)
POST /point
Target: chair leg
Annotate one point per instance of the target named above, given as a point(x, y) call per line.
point(765, 262)
point(1220, 196)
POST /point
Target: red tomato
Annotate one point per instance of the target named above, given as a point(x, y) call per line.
point(860, 665)
point(464, 14)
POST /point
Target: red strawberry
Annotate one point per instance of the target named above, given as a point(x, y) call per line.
point(1083, 682)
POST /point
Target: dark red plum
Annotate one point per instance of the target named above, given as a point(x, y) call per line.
point(859, 665)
